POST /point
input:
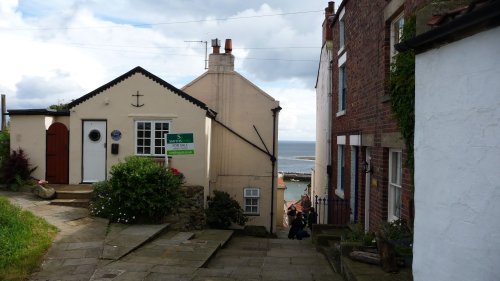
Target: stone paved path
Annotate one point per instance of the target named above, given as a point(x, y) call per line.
point(76, 253)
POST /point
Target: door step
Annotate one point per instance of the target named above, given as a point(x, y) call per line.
point(81, 203)
point(74, 194)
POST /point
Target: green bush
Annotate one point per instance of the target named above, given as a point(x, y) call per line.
point(16, 169)
point(224, 210)
point(4, 145)
point(138, 190)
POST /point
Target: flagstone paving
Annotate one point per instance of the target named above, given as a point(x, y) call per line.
point(81, 251)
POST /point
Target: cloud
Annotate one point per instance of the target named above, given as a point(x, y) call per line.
point(50, 47)
point(42, 92)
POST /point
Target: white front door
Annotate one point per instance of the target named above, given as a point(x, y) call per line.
point(367, 189)
point(94, 151)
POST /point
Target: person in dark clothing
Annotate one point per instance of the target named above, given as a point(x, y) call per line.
point(312, 218)
point(297, 228)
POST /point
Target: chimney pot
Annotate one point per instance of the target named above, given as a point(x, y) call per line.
point(228, 46)
point(216, 46)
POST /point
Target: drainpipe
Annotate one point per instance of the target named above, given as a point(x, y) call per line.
point(273, 165)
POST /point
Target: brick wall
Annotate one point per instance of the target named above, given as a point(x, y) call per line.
point(368, 112)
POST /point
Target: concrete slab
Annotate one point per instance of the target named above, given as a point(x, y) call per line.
point(123, 239)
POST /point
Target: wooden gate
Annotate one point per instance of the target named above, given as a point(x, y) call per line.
point(57, 154)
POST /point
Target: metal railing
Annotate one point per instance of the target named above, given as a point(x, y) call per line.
point(332, 210)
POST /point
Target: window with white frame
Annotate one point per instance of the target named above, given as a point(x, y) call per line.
point(341, 31)
point(252, 196)
point(340, 170)
point(150, 137)
point(396, 33)
point(342, 88)
point(395, 175)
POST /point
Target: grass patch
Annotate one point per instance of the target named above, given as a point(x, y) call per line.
point(24, 238)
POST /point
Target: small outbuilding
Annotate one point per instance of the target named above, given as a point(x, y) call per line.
point(128, 116)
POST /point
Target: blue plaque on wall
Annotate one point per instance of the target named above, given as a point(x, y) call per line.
point(116, 135)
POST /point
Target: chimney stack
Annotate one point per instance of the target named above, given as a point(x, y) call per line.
point(228, 46)
point(218, 62)
point(216, 46)
point(327, 31)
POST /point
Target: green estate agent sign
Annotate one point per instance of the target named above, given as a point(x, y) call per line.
point(180, 144)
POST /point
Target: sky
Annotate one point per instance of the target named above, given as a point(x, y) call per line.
point(58, 50)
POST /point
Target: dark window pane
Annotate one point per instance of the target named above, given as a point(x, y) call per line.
point(147, 150)
point(148, 126)
point(158, 134)
point(140, 150)
point(147, 134)
point(158, 142)
point(147, 142)
point(157, 150)
point(165, 126)
point(140, 142)
point(140, 125)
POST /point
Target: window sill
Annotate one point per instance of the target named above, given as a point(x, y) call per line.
point(341, 50)
point(251, 214)
point(339, 193)
point(340, 113)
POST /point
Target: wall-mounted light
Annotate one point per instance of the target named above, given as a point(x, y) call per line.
point(367, 168)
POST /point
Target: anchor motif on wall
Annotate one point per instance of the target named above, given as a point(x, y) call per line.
point(137, 103)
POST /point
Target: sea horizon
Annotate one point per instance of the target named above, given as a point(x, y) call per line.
point(291, 158)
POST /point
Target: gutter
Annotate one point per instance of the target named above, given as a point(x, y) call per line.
point(273, 164)
point(487, 14)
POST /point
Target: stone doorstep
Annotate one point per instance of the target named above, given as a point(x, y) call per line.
point(74, 194)
point(79, 203)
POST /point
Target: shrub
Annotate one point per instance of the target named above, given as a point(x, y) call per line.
point(16, 169)
point(138, 190)
point(224, 210)
point(4, 145)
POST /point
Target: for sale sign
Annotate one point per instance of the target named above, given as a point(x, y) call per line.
point(179, 144)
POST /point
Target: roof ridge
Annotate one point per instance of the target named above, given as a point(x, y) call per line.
point(128, 74)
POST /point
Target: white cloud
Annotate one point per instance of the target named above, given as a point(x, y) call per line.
point(51, 47)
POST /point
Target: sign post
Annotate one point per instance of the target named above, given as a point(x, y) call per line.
point(179, 144)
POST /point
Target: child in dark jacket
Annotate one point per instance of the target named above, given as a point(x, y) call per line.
point(297, 228)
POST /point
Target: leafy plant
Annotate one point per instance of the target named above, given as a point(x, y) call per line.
point(16, 169)
point(60, 106)
point(4, 145)
point(402, 90)
point(223, 210)
point(137, 190)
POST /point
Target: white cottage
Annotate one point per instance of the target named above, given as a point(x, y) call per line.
point(234, 124)
point(457, 145)
point(127, 116)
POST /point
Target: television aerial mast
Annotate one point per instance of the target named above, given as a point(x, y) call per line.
point(206, 50)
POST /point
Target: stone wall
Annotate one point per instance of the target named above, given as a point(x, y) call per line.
point(190, 214)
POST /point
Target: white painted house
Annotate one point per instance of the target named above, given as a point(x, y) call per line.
point(322, 165)
point(457, 147)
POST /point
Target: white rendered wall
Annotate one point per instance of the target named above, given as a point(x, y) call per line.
point(457, 161)
point(323, 130)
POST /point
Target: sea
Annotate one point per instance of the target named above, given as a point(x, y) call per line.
point(298, 157)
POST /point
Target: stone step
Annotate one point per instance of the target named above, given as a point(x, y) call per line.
point(76, 194)
point(81, 203)
point(71, 187)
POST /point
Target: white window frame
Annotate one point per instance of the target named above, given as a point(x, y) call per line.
point(341, 31)
point(152, 146)
point(342, 86)
point(395, 184)
point(342, 89)
point(396, 33)
point(252, 205)
point(340, 170)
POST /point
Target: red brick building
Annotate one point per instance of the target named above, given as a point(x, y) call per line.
point(369, 155)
